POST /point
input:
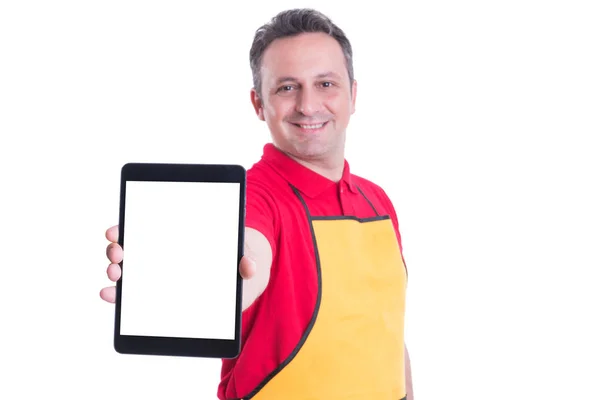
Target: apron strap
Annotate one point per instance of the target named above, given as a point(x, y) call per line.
point(369, 201)
point(297, 192)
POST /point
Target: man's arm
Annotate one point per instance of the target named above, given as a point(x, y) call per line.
point(258, 249)
point(408, 374)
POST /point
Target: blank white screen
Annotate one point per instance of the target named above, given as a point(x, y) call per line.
point(180, 259)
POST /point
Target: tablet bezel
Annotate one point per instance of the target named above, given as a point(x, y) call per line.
point(175, 346)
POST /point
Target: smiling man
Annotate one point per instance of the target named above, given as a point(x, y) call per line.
point(325, 279)
point(306, 95)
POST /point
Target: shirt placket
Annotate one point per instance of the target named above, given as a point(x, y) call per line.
point(346, 200)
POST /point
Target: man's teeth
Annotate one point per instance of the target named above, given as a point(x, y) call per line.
point(312, 126)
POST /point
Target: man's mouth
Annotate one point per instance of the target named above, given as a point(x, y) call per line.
point(311, 127)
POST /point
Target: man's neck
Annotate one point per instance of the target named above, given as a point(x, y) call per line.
point(330, 169)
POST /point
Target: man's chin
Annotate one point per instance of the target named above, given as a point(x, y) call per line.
point(311, 150)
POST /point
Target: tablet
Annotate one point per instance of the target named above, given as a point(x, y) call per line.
point(181, 227)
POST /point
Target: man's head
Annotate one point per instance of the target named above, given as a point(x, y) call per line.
point(304, 85)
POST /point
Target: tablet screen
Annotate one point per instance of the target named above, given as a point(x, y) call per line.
point(180, 244)
point(181, 228)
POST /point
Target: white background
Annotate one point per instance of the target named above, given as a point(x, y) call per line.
point(480, 119)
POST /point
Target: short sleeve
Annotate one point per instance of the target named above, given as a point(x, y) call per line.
point(261, 212)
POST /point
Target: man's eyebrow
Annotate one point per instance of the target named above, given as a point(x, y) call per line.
point(328, 75)
point(286, 79)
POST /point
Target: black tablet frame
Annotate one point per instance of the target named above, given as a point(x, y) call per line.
point(183, 347)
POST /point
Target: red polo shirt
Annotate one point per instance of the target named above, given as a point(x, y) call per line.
point(274, 324)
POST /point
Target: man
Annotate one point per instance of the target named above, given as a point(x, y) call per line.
point(324, 288)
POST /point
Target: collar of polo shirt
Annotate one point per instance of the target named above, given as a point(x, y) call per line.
point(304, 179)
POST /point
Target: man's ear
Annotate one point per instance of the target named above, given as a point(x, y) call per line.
point(257, 103)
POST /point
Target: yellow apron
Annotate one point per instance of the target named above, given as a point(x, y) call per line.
point(354, 347)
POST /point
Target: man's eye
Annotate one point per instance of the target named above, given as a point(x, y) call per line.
point(286, 88)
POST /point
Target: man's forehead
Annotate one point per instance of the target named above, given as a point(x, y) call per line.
point(304, 49)
point(304, 40)
point(303, 58)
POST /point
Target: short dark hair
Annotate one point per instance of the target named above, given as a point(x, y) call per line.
point(291, 23)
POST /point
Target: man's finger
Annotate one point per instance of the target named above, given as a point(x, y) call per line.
point(109, 294)
point(112, 234)
point(114, 252)
point(247, 268)
point(114, 272)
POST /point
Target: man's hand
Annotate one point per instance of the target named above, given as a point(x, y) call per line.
point(114, 252)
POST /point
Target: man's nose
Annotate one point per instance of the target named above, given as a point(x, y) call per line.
point(308, 102)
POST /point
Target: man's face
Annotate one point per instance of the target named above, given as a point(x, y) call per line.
point(306, 98)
